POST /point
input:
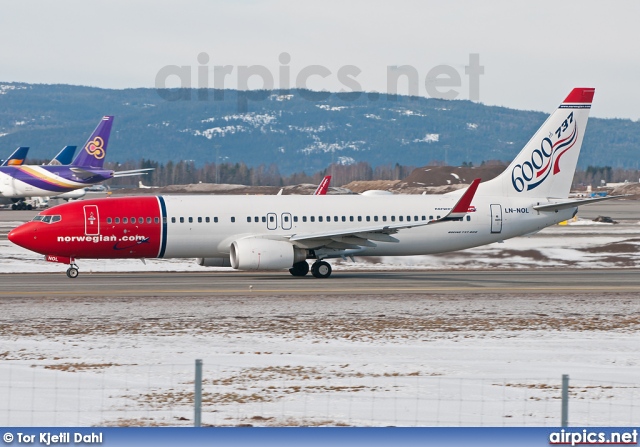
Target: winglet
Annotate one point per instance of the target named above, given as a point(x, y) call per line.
point(462, 207)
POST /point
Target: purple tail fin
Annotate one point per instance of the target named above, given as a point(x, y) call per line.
point(94, 150)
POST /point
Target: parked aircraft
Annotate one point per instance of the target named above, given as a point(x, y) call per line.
point(283, 232)
point(16, 158)
point(64, 157)
point(18, 182)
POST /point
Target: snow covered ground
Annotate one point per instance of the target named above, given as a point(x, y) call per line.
point(378, 360)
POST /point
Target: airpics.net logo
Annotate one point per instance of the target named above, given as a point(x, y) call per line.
point(257, 82)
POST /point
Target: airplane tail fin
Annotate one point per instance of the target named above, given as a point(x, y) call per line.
point(64, 157)
point(547, 163)
point(17, 158)
point(322, 188)
point(94, 150)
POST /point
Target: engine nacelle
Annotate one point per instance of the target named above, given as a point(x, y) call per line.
point(254, 253)
point(214, 262)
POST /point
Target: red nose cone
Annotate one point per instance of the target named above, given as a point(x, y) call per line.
point(24, 236)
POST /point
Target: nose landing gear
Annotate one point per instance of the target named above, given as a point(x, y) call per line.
point(72, 271)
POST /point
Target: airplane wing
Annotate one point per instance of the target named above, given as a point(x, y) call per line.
point(132, 172)
point(354, 238)
point(573, 203)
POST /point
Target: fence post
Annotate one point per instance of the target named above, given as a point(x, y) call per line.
point(197, 399)
point(565, 401)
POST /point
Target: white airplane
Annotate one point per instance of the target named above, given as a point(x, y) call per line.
point(283, 232)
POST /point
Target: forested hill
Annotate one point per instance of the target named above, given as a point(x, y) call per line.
point(296, 130)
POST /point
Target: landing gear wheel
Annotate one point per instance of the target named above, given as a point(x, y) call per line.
point(321, 269)
point(299, 268)
point(72, 272)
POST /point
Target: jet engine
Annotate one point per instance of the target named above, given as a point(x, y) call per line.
point(254, 253)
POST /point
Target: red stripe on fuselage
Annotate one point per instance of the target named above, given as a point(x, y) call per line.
point(139, 237)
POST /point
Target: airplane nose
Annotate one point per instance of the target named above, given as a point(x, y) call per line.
point(24, 236)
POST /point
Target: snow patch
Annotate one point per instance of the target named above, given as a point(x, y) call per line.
point(346, 161)
point(308, 129)
point(331, 108)
point(319, 146)
point(4, 88)
point(219, 131)
point(252, 118)
point(428, 138)
point(280, 97)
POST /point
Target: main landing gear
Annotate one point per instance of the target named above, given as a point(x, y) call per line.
point(21, 205)
point(299, 268)
point(72, 271)
point(319, 269)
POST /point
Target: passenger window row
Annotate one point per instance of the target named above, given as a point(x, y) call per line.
point(133, 220)
point(271, 218)
point(198, 219)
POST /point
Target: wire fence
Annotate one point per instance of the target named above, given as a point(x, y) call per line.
point(163, 395)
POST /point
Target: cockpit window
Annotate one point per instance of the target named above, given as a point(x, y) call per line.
point(48, 219)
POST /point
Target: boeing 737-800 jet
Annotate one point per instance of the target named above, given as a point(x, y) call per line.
point(283, 232)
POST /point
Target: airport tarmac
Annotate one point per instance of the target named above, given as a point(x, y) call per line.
point(345, 284)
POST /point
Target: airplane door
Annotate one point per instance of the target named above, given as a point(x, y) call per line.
point(286, 221)
point(91, 220)
point(272, 221)
point(496, 218)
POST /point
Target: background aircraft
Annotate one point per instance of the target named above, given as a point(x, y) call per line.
point(64, 157)
point(18, 182)
point(16, 158)
point(282, 232)
point(322, 188)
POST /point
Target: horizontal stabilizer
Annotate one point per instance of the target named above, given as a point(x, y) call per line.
point(144, 171)
point(82, 173)
point(572, 203)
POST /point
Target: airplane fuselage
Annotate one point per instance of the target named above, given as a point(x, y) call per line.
point(38, 181)
point(206, 226)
